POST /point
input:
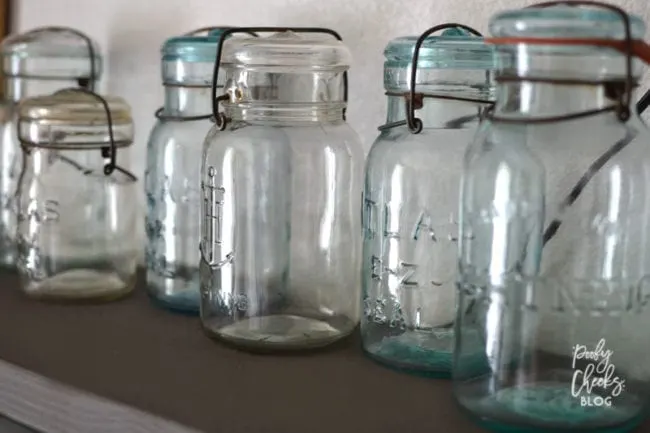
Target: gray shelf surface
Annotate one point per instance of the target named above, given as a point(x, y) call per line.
point(131, 367)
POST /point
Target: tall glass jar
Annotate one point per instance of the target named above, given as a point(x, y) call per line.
point(281, 229)
point(555, 231)
point(411, 198)
point(37, 62)
point(77, 212)
point(172, 178)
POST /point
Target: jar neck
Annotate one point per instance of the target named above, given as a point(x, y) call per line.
point(187, 101)
point(537, 100)
point(284, 96)
point(285, 113)
point(437, 113)
point(21, 88)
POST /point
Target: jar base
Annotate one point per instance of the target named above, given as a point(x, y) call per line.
point(282, 332)
point(544, 407)
point(81, 285)
point(182, 303)
point(422, 353)
point(178, 294)
point(427, 353)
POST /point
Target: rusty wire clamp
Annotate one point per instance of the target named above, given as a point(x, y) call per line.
point(108, 152)
point(415, 100)
point(618, 90)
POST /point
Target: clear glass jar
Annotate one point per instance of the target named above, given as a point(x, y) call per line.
point(172, 178)
point(77, 210)
point(37, 62)
point(411, 200)
point(281, 229)
point(554, 255)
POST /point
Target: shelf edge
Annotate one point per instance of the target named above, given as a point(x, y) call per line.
point(52, 407)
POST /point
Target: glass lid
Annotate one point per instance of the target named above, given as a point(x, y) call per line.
point(50, 52)
point(455, 48)
point(71, 118)
point(294, 51)
point(564, 22)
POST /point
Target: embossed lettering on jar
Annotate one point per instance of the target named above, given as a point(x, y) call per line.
point(281, 231)
point(555, 223)
point(411, 200)
point(77, 209)
point(172, 178)
point(37, 62)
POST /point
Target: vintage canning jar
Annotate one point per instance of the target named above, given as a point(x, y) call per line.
point(555, 229)
point(281, 228)
point(172, 178)
point(37, 62)
point(77, 209)
point(411, 190)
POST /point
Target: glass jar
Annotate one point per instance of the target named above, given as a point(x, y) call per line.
point(172, 178)
point(281, 230)
point(554, 255)
point(411, 198)
point(37, 62)
point(77, 212)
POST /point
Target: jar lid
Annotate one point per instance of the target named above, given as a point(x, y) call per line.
point(290, 51)
point(71, 119)
point(455, 48)
point(50, 52)
point(192, 48)
point(564, 22)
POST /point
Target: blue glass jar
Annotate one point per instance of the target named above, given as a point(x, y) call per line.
point(172, 174)
point(37, 62)
point(554, 258)
point(412, 180)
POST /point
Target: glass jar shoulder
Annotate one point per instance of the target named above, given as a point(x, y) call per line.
point(430, 153)
point(337, 139)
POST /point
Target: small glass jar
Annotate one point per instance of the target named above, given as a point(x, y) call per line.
point(411, 198)
point(554, 257)
point(172, 178)
point(37, 62)
point(281, 230)
point(77, 210)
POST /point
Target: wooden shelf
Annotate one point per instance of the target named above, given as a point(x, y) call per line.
point(130, 367)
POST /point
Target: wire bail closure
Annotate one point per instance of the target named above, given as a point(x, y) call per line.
point(630, 48)
point(414, 100)
point(219, 118)
point(160, 112)
point(109, 152)
point(623, 95)
point(87, 83)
